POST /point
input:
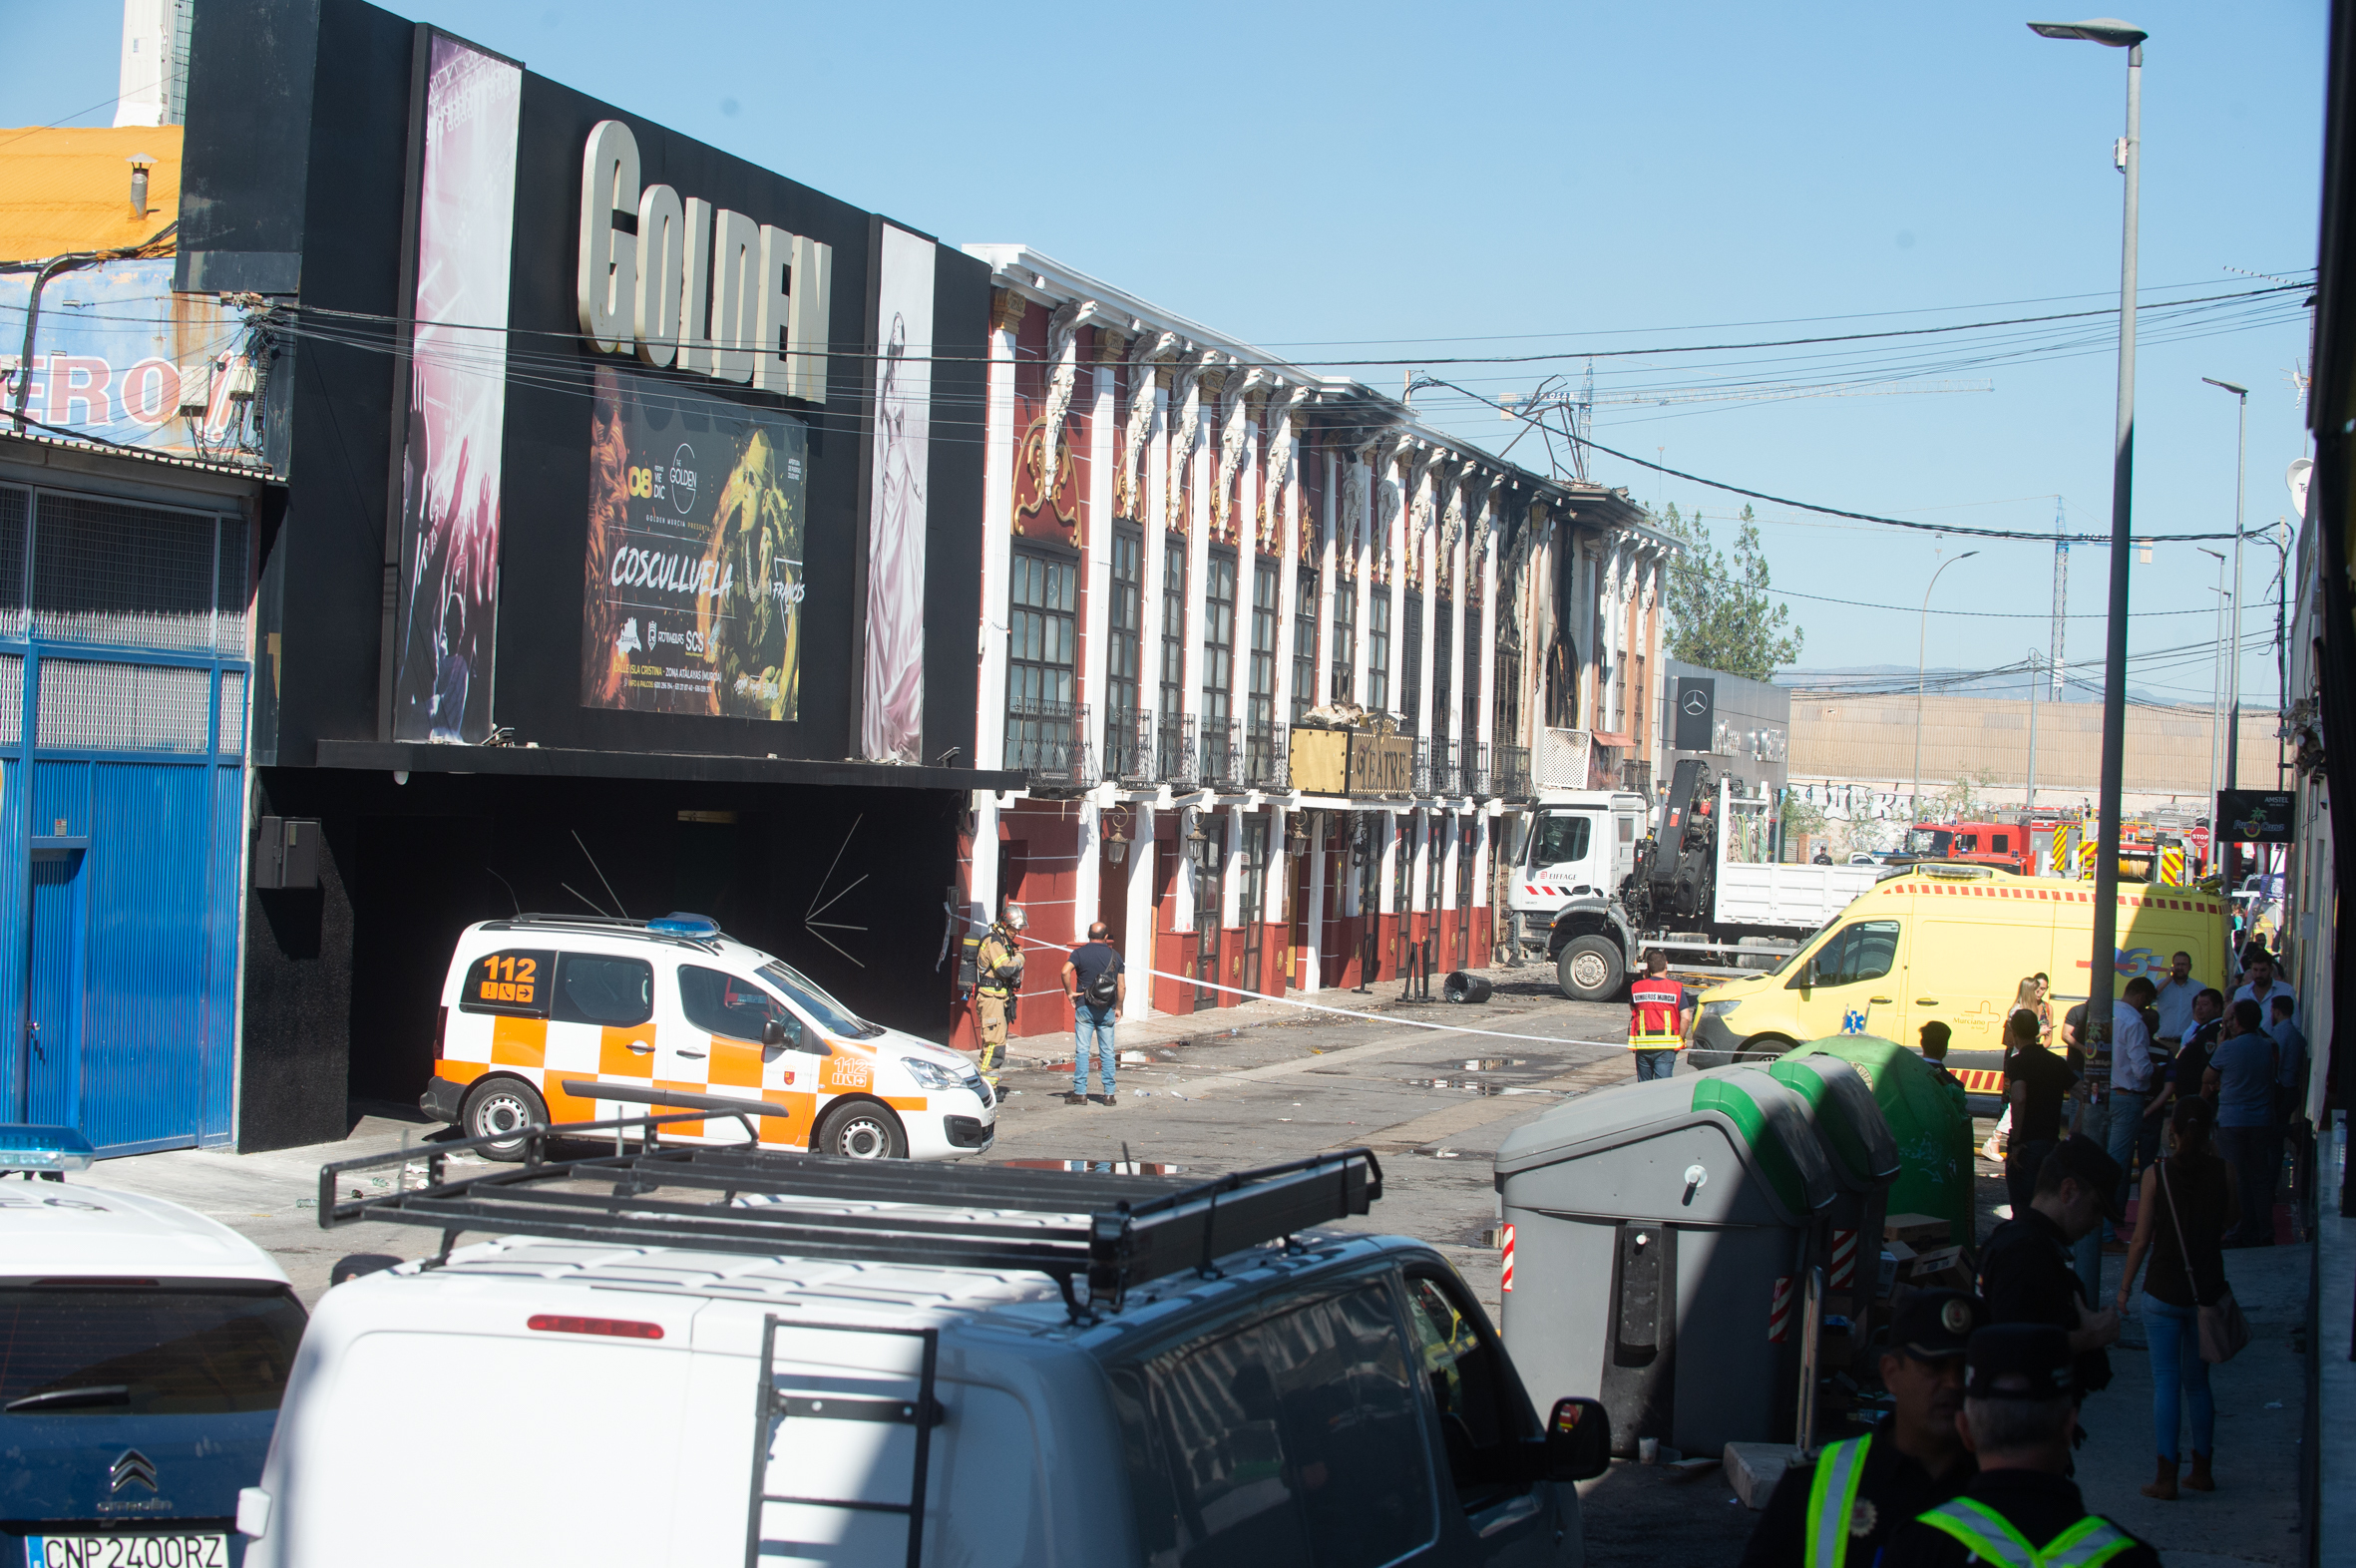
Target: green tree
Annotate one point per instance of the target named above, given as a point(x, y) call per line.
point(1719, 614)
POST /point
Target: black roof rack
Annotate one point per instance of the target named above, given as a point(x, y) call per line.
point(1116, 1231)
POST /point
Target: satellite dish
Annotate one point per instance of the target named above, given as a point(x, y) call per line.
point(2297, 479)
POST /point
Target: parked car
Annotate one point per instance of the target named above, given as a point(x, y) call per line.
point(143, 1350)
point(559, 1018)
point(995, 1366)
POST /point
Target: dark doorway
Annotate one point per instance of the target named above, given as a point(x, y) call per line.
point(418, 883)
point(1208, 851)
point(1252, 901)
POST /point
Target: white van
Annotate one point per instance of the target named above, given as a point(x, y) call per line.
point(856, 1365)
point(559, 1020)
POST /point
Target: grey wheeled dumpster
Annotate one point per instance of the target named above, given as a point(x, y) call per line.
point(1661, 1235)
point(1863, 1155)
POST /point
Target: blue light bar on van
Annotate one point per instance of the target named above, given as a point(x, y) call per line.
point(680, 924)
point(27, 1147)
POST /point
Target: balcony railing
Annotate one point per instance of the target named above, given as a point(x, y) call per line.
point(1444, 780)
point(1221, 753)
point(1049, 742)
point(1472, 767)
point(1509, 772)
point(1128, 745)
point(1175, 761)
point(1268, 756)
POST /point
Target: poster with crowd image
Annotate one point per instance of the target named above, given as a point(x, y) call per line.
point(693, 584)
point(456, 418)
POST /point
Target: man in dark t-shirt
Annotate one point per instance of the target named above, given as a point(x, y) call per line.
point(2036, 1084)
point(2026, 1273)
point(1095, 980)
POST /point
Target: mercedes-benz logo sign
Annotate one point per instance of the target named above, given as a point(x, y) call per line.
point(132, 1466)
point(1696, 703)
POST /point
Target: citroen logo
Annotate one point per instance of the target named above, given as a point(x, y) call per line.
point(132, 1466)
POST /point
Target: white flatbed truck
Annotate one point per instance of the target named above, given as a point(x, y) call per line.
point(1597, 881)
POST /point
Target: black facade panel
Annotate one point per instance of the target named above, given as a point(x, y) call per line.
point(952, 530)
point(292, 1061)
point(250, 128)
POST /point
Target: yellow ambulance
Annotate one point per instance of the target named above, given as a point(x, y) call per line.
point(1952, 942)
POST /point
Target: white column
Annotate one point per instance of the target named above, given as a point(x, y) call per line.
point(1182, 884)
point(1329, 561)
point(1246, 566)
point(1095, 650)
point(1287, 501)
point(1490, 675)
point(982, 884)
point(1482, 878)
point(1424, 542)
point(1193, 462)
point(1309, 976)
point(1152, 508)
point(998, 534)
point(1395, 543)
point(1231, 883)
point(1137, 951)
point(1460, 560)
point(1363, 549)
point(1087, 867)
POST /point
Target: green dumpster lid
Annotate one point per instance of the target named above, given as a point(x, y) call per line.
point(1928, 1118)
point(1774, 1125)
point(1853, 1126)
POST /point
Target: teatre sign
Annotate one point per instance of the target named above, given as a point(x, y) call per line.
point(678, 283)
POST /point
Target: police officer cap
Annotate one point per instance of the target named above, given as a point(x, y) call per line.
point(2019, 1360)
point(1936, 1324)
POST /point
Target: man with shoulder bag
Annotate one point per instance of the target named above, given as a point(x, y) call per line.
point(1094, 978)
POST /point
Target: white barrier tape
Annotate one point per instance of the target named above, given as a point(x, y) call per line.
point(1312, 1007)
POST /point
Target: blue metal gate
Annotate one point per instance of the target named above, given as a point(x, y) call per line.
point(123, 674)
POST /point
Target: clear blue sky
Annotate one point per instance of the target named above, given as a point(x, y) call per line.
point(1309, 174)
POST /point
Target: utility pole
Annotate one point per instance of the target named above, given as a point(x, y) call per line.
point(2061, 598)
point(2217, 686)
point(2233, 629)
point(2029, 797)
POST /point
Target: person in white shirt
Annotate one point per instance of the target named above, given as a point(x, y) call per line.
point(2132, 1077)
point(2175, 999)
point(2261, 987)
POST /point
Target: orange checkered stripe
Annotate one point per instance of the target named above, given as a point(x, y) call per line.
point(522, 1047)
point(1989, 890)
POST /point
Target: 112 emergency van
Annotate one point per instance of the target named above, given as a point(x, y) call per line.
point(144, 1351)
point(1952, 942)
point(556, 1019)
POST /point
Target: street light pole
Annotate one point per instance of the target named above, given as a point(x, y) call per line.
point(1921, 650)
point(2100, 985)
point(2232, 701)
point(2028, 795)
point(2217, 686)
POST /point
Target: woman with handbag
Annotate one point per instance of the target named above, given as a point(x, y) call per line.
point(2189, 1317)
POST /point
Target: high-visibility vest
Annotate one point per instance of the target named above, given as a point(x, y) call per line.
point(2091, 1542)
point(1653, 1021)
point(1832, 1503)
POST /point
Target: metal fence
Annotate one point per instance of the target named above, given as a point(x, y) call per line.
point(1509, 772)
point(1268, 759)
point(1175, 761)
point(1221, 753)
point(1049, 742)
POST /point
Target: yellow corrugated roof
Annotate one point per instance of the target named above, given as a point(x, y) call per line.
point(70, 189)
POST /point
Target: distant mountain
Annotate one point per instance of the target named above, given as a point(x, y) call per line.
point(1897, 680)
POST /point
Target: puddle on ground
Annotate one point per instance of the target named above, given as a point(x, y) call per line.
point(1098, 1167)
point(1473, 1086)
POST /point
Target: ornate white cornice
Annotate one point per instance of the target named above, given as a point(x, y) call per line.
point(1285, 403)
point(1150, 349)
point(1186, 391)
point(1064, 368)
point(1235, 437)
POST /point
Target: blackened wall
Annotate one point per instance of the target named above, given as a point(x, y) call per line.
point(352, 973)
